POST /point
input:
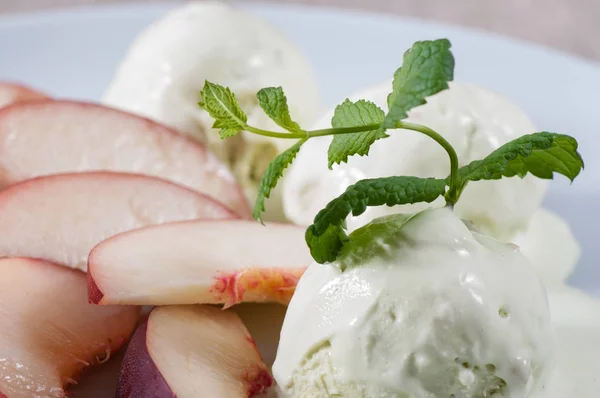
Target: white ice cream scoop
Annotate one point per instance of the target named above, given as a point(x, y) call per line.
point(422, 308)
point(474, 120)
point(550, 245)
point(166, 67)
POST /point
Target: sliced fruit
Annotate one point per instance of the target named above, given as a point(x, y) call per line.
point(48, 332)
point(49, 137)
point(11, 93)
point(61, 218)
point(190, 352)
point(206, 262)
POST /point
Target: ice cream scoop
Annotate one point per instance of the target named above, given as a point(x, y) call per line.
point(417, 306)
point(474, 120)
point(166, 67)
point(548, 242)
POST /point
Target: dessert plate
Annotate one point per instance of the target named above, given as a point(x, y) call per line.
point(74, 53)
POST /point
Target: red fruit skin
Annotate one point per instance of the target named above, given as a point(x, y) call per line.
point(260, 384)
point(139, 377)
point(95, 295)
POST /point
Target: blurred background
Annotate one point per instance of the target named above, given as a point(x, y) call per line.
point(568, 25)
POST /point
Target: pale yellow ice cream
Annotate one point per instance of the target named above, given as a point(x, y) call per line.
point(166, 67)
point(424, 308)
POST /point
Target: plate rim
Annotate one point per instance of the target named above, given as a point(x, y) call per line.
point(103, 10)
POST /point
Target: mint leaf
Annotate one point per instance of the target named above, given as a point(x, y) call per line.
point(222, 105)
point(325, 237)
point(426, 70)
point(324, 248)
point(272, 175)
point(373, 240)
point(541, 154)
point(354, 114)
point(272, 100)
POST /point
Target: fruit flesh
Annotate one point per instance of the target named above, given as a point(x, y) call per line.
point(204, 262)
point(49, 137)
point(49, 333)
point(191, 351)
point(60, 218)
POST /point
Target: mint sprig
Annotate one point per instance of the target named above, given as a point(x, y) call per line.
point(390, 191)
point(427, 68)
point(355, 125)
point(541, 154)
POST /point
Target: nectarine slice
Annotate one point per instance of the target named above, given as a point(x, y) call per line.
point(48, 331)
point(12, 92)
point(204, 262)
point(50, 137)
point(191, 352)
point(60, 218)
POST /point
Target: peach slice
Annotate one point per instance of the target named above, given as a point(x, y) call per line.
point(199, 262)
point(190, 352)
point(50, 137)
point(60, 218)
point(48, 331)
point(12, 92)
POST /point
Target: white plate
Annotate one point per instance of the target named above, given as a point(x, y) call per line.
point(74, 54)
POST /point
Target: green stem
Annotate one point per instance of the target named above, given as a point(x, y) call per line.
point(453, 190)
point(343, 130)
point(273, 134)
point(313, 133)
